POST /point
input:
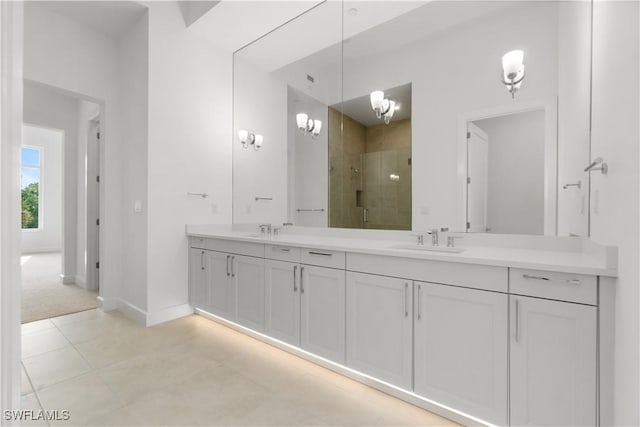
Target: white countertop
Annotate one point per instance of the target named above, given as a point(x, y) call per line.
point(560, 254)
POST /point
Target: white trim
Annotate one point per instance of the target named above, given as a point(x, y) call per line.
point(407, 396)
point(550, 107)
point(132, 311)
point(67, 279)
point(168, 314)
point(80, 281)
point(11, 48)
point(107, 304)
point(32, 251)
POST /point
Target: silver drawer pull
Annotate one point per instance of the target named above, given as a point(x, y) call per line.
point(528, 276)
point(319, 253)
point(275, 248)
point(295, 271)
point(574, 281)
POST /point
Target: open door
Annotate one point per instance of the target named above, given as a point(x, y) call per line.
point(477, 173)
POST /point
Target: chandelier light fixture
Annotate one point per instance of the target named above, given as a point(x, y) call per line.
point(513, 70)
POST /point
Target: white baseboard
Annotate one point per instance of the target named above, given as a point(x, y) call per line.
point(67, 280)
point(80, 281)
point(108, 304)
point(132, 312)
point(33, 251)
point(168, 314)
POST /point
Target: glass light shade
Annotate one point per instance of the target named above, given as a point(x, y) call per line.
point(257, 142)
point(512, 64)
point(301, 120)
point(317, 125)
point(243, 135)
point(376, 97)
point(392, 109)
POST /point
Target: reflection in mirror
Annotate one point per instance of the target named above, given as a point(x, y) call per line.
point(374, 158)
point(531, 108)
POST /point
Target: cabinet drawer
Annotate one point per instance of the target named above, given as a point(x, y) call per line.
point(198, 242)
point(282, 253)
point(449, 273)
point(323, 258)
point(559, 286)
point(234, 247)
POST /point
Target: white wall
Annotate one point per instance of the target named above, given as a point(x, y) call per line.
point(188, 150)
point(515, 197)
point(48, 236)
point(45, 106)
point(133, 78)
point(65, 54)
point(614, 197)
point(260, 106)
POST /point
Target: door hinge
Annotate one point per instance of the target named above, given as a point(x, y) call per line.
point(468, 180)
point(98, 221)
point(468, 225)
point(97, 178)
point(98, 134)
point(468, 135)
point(98, 264)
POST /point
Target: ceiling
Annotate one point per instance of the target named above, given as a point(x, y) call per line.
point(111, 18)
point(359, 109)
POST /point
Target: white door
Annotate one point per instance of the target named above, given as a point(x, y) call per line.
point(198, 289)
point(222, 297)
point(323, 298)
point(553, 363)
point(247, 275)
point(477, 174)
point(461, 338)
point(282, 301)
point(379, 327)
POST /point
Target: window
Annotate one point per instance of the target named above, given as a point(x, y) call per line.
point(30, 185)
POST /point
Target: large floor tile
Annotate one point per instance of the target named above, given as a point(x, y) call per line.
point(103, 327)
point(55, 366)
point(32, 415)
point(38, 325)
point(38, 342)
point(85, 397)
point(25, 384)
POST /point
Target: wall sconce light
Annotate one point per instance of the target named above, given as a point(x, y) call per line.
point(307, 125)
point(248, 139)
point(383, 107)
point(513, 70)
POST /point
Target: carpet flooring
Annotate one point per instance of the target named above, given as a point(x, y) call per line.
point(43, 294)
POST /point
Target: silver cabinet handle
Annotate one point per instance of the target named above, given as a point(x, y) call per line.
point(419, 302)
point(295, 271)
point(574, 281)
point(202, 260)
point(529, 276)
point(228, 257)
point(301, 280)
point(233, 273)
point(319, 253)
point(517, 326)
point(406, 289)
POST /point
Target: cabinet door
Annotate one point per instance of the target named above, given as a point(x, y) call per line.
point(222, 297)
point(247, 275)
point(461, 338)
point(553, 363)
point(198, 289)
point(379, 327)
point(323, 297)
point(282, 301)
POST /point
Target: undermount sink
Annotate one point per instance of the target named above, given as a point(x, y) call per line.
point(428, 248)
point(253, 235)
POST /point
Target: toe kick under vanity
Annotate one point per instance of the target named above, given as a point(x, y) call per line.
point(496, 335)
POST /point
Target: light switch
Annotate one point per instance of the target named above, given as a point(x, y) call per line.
point(137, 206)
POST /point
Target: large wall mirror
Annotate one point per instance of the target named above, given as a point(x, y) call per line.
point(471, 115)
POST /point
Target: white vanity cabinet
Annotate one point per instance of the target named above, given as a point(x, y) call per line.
point(305, 306)
point(198, 280)
point(380, 327)
point(460, 349)
point(553, 363)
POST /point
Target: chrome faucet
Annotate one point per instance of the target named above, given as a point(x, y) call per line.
point(287, 224)
point(420, 238)
point(265, 229)
point(435, 236)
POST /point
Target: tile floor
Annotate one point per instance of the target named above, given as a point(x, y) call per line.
point(109, 371)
